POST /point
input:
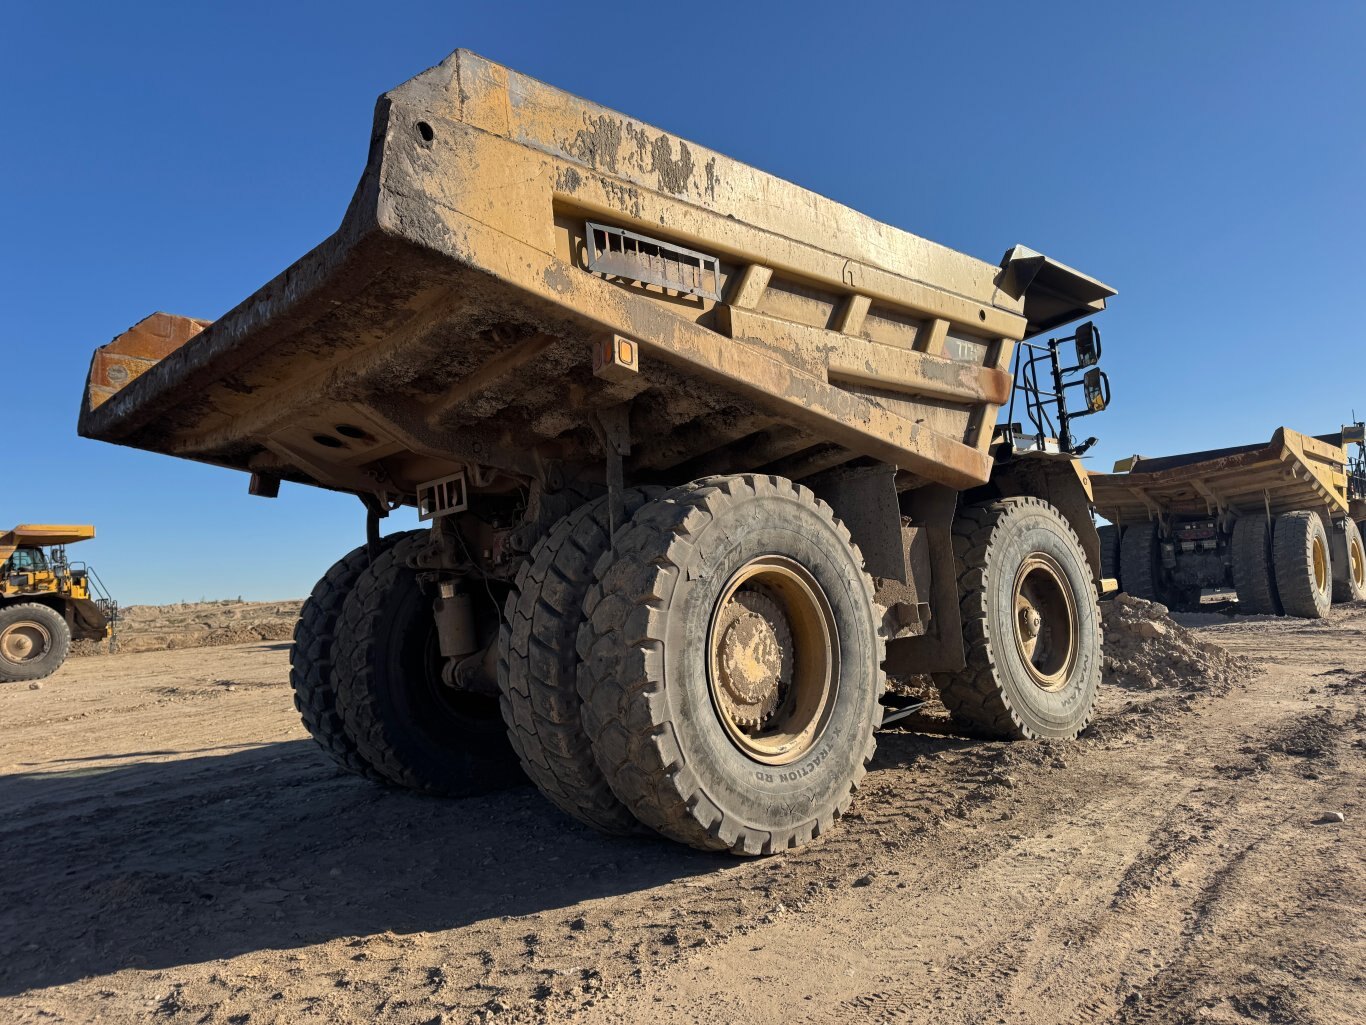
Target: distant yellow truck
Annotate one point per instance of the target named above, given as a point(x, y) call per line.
point(1278, 522)
point(46, 600)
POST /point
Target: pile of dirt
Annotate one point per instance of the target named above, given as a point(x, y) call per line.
point(197, 625)
point(1145, 649)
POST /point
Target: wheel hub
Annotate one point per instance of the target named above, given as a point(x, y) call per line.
point(1045, 622)
point(753, 658)
point(772, 659)
point(23, 642)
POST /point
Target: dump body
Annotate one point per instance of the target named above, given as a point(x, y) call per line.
point(1290, 472)
point(505, 232)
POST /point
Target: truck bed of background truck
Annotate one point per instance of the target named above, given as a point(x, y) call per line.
point(1277, 522)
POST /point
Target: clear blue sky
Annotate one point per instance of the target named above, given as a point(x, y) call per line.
point(1205, 159)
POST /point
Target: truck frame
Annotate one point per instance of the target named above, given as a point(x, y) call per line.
point(699, 453)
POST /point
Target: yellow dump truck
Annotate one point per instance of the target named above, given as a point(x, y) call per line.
point(698, 452)
point(46, 600)
point(1277, 522)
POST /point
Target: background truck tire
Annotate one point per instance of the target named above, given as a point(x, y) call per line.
point(1254, 573)
point(538, 665)
point(414, 729)
point(34, 641)
point(310, 661)
point(1109, 552)
point(1031, 624)
point(732, 665)
point(1349, 564)
point(1304, 574)
point(1140, 562)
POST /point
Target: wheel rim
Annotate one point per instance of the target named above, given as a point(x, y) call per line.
point(25, 641)
point(1045, 622)
point(1320, 565)
point(773, 659)
point(1357, 563)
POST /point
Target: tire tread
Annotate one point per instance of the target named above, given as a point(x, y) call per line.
point(974, 697)
point(621, 647)
point(538, 665)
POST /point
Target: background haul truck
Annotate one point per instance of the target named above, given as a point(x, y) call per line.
point(46, 600)
point(698, 450)
point(1277, 522)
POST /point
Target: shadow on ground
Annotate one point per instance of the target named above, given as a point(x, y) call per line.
point(155, 864)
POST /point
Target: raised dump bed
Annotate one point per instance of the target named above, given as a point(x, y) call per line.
point(599, 359)
point(1273, 521)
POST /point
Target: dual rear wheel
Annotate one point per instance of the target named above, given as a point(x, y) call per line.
point(367, 681)
point(1288, 565)
point(711, 671)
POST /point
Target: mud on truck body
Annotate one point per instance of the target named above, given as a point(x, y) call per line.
point(699, 454)
point(1278, 522)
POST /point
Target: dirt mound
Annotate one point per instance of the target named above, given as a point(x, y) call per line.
point(198, 625)
point(1145, 649)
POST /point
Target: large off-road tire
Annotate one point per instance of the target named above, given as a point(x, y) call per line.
point(34, 641)
point(310, 661)
point(732, 665)
point(1140, 562)
point(538, 664)
point(1254, 574)
point(1031, 624)
point(1109, 552)
point(409, 725)
point(1304, 572)
point(1349, 564)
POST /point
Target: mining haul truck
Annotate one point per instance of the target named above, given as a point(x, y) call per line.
point(1277, 522)
point(46, 600)
point(700, 456)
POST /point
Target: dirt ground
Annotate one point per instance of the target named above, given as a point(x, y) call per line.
point(175, 849)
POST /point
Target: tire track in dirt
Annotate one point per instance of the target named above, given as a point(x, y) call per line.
point(1145, 898)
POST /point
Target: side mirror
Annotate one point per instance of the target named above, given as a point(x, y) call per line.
point(1097, 387)
point(1088, 345)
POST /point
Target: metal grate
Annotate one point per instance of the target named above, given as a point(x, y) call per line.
point(624, 254)
point(442, 497)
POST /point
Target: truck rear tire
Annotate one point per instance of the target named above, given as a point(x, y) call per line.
point(1109, 553)
point(1031, 624)
point(412, 727)
point(310, 661)
point(1254, 573)
point(1304, 571)
point(538, 665)
point(1140, 562)
point(732, 665)
point(1349, 565)
point(34, 642)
